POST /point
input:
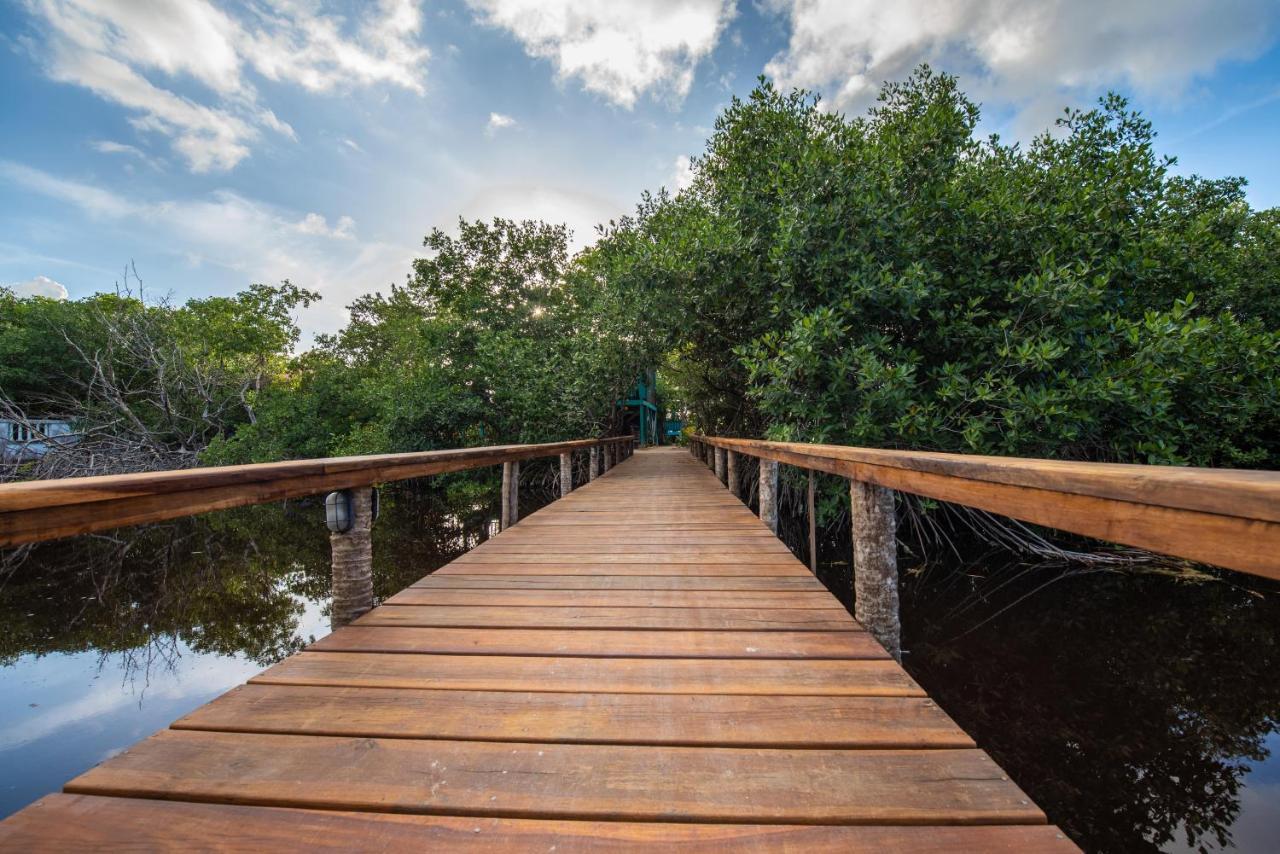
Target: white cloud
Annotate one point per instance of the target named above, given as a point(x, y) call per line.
point(497, 121)
point(106, 146)
point(1015, 52)
point(618, 50)
point(682, 177)
point(39, 286)
point(353, 145)
point(116, 47)
point(258, 241)
point(582, 212)
point(314, 223)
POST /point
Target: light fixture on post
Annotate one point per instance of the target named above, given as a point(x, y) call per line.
point(339, 515)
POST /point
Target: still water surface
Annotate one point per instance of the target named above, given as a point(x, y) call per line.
point(1139, 710)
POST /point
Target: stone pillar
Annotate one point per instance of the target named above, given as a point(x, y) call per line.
point(769, 494)
point(566, 474)
point(731, 474)
point(875, 563)
point(720, 464)
point(594, 471)
point(353, 561)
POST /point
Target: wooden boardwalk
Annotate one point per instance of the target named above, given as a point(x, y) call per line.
point(639, 665)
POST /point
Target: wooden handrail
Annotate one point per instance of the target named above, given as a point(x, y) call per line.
point(1224, 517)
point(34, 511)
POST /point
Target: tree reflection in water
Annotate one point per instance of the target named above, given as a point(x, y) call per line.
point(1129, 706)
point(228, 583)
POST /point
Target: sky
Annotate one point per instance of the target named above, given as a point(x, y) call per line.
point(214, 145)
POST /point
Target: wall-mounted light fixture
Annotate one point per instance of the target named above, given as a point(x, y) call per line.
point(339, 510)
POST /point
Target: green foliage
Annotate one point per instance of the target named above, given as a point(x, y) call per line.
point(893, 281)
point(497, 337)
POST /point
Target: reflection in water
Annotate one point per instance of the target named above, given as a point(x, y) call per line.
point(109, 638)
point(1139, 710)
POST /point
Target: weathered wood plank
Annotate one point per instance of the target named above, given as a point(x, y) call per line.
point(664, 719)
point(776, 583)
point(552, 617)
point(602, 643)
point(515, 567)
point(814, 677)
point(566, 781)
point(636, 599)
point(89, 823)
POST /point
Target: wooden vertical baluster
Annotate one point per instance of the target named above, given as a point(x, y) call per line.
point(353, 561)
point(875, 563)
point(512, 506)
point(506, 495)
point(731, 474)
point(566, 474)
point(594, 471)
point(813, 526)
point(769, 494)
point(720, 464)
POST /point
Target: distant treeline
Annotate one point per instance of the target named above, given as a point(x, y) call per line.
point(886, 280)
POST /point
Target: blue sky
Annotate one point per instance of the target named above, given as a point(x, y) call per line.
point(218, 144)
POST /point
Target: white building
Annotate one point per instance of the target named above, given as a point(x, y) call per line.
point(25, 440)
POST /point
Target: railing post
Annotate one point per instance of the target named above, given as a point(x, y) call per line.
point(566, 474)
point(769, 493)
point(510, 493)
point(875, 563)
point(811, 509)
point(731, 474)
point(720, 464)
point(353, 560)
point(593, 471)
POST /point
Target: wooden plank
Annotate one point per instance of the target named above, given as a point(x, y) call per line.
point(566, 781)
point(639, 599)
point(619, 582)
point(813, 677)
point(664, 719)
point(690, 619)
point(554, 555)
point(515, 567)
point(89, 823)
point(596, 643)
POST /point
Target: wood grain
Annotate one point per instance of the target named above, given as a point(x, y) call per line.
point(666, 719)
point(566, 781)
point(601, 643)
point(764, 677)
point(705, 619)
point(88, 823)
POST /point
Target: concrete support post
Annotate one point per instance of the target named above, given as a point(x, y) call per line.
point(720, 464)
point(769, 494)
point(594, 471)
point(566, 474)
point(353, 561)
point(510, 493)
point(875, 563)
point(731, 474)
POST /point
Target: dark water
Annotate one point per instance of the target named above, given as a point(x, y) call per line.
point(1140, 710)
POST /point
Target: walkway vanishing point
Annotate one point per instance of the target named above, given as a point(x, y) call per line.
point(639, 665)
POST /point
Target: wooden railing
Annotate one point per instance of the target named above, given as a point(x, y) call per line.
point(1224, 517)
point(34, 511)
point(41, 510)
